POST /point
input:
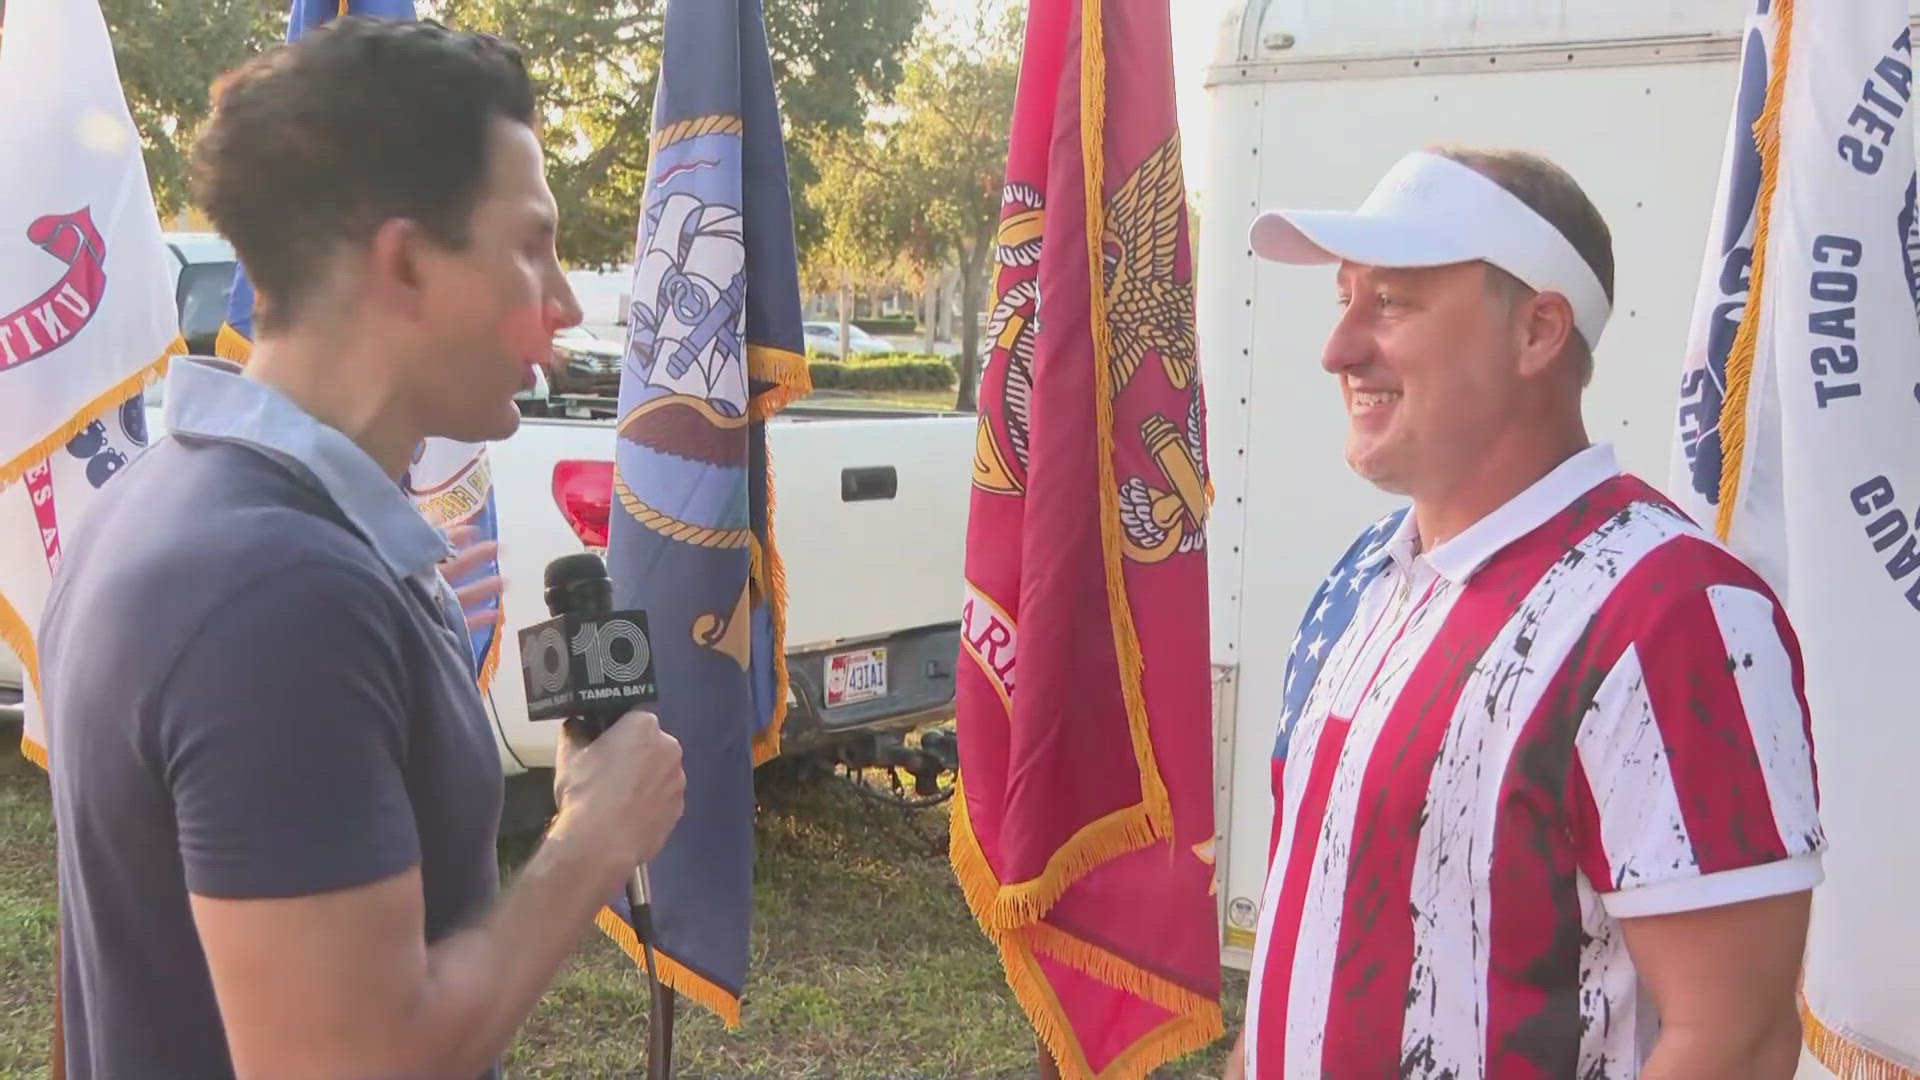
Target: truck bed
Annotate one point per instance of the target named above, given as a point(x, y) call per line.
point(870, 518)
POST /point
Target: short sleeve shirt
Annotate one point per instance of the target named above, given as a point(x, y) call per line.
point(256, 685)
point(1579, 711)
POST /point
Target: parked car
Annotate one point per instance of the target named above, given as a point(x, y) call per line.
point(585, 364)
point(203, 270)
point(824, 338)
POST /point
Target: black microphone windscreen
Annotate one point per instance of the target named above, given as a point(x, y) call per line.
point(578, 584)
point(581, 566)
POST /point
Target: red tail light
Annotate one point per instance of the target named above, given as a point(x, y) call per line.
point(583, 490)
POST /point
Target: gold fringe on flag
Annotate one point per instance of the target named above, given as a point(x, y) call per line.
point(14, 630)
point(1844, 1057)
point(790, 379)
point(1126, 639)
point(231, 344)
point(111, 398)
point(18, 636)
point(1746, 340)
point(670, 971)
point(1197, 1023)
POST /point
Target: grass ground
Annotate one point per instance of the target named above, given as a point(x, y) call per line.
point(865, 963)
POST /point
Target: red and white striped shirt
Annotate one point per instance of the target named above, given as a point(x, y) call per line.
point(1578, 711)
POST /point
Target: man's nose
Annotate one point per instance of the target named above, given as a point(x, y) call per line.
point(563, 307)
point(1349, 345)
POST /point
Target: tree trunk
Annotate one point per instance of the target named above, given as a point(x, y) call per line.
point(969, 327)
point(930, 304)
point(846, 315)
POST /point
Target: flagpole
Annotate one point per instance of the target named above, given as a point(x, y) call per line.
point(660, 1032)
point(660, 1015)
point(57, 1067)
point(1049, 1069)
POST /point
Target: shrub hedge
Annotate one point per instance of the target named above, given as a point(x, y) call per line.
point(889, 371)
point(888, 325)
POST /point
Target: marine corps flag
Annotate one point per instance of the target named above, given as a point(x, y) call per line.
point(1799, 443)
point(1083, 832)
point(450, 482)
point(87, 317)
point(714, 349)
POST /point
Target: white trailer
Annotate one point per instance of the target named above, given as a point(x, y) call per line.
point(1309, 102)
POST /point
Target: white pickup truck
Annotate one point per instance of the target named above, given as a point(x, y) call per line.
point(870, 517)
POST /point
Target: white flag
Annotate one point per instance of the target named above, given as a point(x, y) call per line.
point(452, 485)
point(87, 317)
point(1800, 442)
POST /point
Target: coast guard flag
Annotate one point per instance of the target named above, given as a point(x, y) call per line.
point(450, 482)
point(714, 348)
point(1799, 441)
point(1083, 831)
point(87, 317)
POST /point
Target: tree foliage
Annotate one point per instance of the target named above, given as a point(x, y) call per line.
point(169, 52)
point(596, 63)
point(922, 183)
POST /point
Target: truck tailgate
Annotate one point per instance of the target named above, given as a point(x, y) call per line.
point(870, 519)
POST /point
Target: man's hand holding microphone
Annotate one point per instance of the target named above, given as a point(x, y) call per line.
point(621, 793)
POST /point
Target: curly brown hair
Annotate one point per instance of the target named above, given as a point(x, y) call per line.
point(316, 143)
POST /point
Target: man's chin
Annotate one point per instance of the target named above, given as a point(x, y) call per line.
point(494, 427)
point(1376, 470)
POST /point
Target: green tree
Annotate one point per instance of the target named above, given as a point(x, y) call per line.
point(596, 62)
point(858, 243)
point(169, 52)
point(934, 163)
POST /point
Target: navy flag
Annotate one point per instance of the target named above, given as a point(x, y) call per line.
point(714, 349)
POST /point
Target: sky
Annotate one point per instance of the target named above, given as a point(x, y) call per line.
point(1194, 26)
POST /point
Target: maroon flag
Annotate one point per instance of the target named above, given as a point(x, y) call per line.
point(1083, 834)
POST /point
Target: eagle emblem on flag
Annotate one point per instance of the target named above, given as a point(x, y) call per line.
point(1013, 327)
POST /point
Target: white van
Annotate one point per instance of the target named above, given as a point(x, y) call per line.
point(1309, 103)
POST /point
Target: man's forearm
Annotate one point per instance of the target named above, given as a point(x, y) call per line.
point(1769, 1053)
point(1237, 1057)
point(482, 982)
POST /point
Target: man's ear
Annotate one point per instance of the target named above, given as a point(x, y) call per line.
point(1545, 329)
point(393, 267)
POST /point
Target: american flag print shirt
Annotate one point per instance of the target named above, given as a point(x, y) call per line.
point(1581, 710)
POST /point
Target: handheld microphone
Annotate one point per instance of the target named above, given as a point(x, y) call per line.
point(589, 665)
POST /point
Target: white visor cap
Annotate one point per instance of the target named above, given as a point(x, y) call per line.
point(1433, 211)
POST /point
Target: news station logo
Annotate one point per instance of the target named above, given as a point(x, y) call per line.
point(572, 663)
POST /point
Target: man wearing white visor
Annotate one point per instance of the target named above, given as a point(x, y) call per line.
point(1544, 792)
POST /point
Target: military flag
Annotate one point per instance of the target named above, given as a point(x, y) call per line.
point(87, 317)
point(450, 482)
point(714, 348)
point(1083, 831)
point(1799, 407)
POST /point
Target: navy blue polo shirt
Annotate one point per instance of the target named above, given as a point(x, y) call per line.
point(257, 684)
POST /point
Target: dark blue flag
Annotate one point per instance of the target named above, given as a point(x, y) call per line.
point(714, 349)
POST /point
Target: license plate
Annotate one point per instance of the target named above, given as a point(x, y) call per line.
point(853, 677)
